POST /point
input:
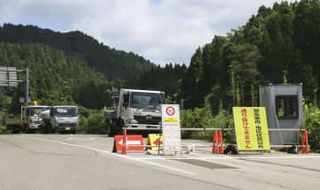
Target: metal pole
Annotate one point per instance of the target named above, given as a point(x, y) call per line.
point(27, 87)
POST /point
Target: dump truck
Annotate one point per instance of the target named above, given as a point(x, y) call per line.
point(134, 109)
point(29, 121)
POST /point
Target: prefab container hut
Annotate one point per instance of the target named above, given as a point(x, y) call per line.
point(283, 103)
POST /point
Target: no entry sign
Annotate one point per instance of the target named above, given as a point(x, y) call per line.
point(171, 129)
point(170, 111)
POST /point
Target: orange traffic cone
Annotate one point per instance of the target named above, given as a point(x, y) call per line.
point(305, 143)
point(220, 143)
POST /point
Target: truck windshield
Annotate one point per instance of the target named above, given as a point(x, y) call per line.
point(145, 100)
point(65, 112)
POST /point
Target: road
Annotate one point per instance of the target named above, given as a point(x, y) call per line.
point(82, 162)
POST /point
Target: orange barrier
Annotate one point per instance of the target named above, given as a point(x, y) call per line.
point(128, 143)
point(305, 143)
point(217, 147)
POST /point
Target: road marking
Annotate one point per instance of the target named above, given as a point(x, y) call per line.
point(80, 139)
point(116, 155)
point(232, 157)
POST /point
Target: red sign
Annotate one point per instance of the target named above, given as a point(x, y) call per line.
point(170, 111)
point(134, 143)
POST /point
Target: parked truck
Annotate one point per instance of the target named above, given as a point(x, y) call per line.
point(29, 120)
point(134, 109)
point(61, 119)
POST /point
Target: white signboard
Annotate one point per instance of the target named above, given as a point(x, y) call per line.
point(8, 76)
point(171, 129)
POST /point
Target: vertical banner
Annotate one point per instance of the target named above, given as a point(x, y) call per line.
point(251, 128)
point(171, 129)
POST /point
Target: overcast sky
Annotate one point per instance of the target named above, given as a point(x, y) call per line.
point(162, 31)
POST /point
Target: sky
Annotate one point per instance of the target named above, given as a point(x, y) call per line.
point(162, 31)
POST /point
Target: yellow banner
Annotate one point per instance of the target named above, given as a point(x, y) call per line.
point(251, 128)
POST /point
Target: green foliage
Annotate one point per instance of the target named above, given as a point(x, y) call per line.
point(163, 78)
point(55, 77)
point(91, 121)
point(3, 128)
point(280, 39)
point(312, 124)
point(202, 118)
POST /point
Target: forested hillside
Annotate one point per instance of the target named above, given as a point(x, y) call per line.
point(114, 64)
point(55, 77)
point(74, 68)
point(278, 44)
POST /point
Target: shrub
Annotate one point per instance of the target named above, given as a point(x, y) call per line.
point(92, 121)
point(312, 124)
point(202, 117)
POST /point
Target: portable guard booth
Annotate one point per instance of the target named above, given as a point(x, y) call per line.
point(283, 103)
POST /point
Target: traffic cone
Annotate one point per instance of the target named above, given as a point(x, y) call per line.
point(214, 142)
point(305, 143)
point(220, 143)
point(124, 145)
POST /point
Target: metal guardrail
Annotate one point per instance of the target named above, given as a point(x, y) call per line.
point(209, 129)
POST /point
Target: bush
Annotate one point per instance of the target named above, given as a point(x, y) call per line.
point(92, 121)
point(202, 118)
point(312, 124)
point(3, 127)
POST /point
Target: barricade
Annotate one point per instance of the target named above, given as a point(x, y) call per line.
point(154, 142)
point(134, 143)
point(128, 143)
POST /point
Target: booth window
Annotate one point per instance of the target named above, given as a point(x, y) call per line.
point(287, 107)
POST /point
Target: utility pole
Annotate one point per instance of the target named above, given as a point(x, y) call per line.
point(27, 87)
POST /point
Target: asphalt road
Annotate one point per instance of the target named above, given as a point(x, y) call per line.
point(82, 162)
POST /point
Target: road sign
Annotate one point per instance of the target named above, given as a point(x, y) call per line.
point(134, 143)
point(155, 141)
point(251, 128)
point(8, 76)
point(171, 129)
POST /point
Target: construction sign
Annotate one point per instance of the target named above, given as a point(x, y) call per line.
point(171, 129)
point(155, 141)
point(134, 143)
point(251, 128)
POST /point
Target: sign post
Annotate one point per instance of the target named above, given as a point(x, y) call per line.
point(251, 128)
point(171, 129)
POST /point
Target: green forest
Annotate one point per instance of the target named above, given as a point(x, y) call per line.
point(279, 44)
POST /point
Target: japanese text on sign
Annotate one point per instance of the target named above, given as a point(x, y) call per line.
point(171, 128)
point(251, 128)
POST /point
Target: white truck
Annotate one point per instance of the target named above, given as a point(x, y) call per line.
point(62, 118)
point(134, 109)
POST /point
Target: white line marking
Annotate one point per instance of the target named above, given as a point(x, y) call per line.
point(230, 157)
point(116, 155)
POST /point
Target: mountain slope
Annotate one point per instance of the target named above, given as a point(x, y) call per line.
point(278, 44)
point(55, 77)
point(114, 64)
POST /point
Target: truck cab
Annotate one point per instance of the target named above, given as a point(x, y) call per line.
point(138, 109)
point(64, 118)
point(30, 117)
